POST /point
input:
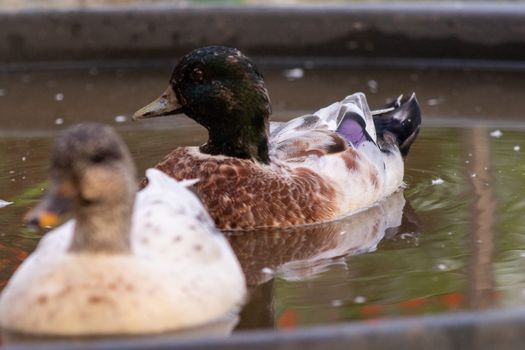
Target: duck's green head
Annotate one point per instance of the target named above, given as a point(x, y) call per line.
point(222, 90)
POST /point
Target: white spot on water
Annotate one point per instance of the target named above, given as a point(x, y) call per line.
point(121, 118)
point(522, 255)
point(24, 159)
point(359, 299)
point(337, 303)
point(294, 73)
point(438, 181)
point(473, 175)
point(441, 267)
point(373, 86)
point(11, 171)
point(4, 203)
point(2, 92)
point(59, 97)
point(517, 148)
point(405, 236)
point(496, 133)
point(59, 121)
point(267, 270)
point(434, 101)
point(450, 233)
point(358, 25)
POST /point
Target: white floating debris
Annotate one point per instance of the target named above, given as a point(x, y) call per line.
point(337, 303)
point(359, 299)
point(373, 86)
point(267, 270)
point(441, 267)
point(59, 121)
point(474, 175)
point(24, 159)
point(450, 233)
point(2, 92)
point(4, 203)
point(405, 236)
point(294, 73)
point(121, 118)
point(438, 181)
point(496, 133)
point(59, 96)
point(11, 171)
point(522, 255)
point(434, 101)
point(517, 148)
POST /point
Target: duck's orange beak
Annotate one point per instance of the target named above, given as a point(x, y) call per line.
point(166, 104)
point(56, 202)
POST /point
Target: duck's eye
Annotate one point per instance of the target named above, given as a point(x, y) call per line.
point(98, 158)
point(197, 74)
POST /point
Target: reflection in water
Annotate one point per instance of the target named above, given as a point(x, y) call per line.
point(302, 253)
point(480, 239)
point(298, 253)
point(220, 328)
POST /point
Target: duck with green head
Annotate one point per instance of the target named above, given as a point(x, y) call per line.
point(255, 173)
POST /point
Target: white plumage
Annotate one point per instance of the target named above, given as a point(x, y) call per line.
point(181, 272)
point(316, 133)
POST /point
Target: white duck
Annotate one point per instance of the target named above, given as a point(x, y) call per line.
point(127, 264)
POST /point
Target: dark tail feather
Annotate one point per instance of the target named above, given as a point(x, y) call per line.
point(401, 118)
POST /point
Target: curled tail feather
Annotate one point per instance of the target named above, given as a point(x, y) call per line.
point(402, 119)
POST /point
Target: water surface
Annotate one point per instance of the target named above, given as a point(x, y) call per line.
point(454, 240)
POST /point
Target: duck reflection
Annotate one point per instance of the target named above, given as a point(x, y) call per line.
point(301, 253)
point(298, 253)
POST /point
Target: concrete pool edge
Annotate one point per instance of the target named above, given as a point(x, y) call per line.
point(501, 329)
point(359, 33)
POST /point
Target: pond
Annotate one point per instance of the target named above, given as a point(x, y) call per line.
point(453, 240)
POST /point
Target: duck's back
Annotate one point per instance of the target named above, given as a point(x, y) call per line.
point(340, 143)
point(242, 194)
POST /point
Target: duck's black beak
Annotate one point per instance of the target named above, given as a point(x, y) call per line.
point(166, 104)
point(56, 202)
